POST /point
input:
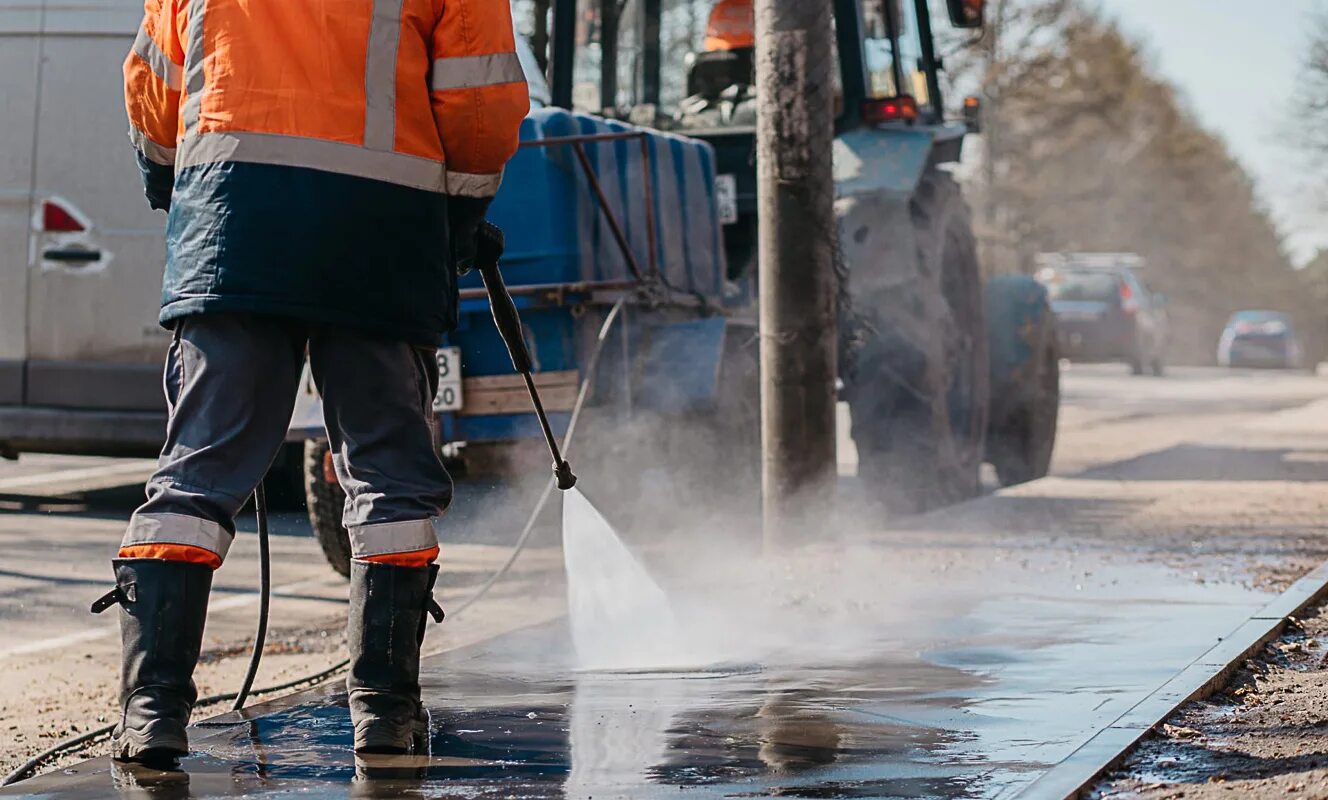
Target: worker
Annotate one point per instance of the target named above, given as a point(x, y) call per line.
point(731, 26)
point(324, 165)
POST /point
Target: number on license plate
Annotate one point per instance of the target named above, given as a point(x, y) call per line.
point(449, 380)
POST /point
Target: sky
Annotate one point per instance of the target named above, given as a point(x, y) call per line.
point(1236, 62)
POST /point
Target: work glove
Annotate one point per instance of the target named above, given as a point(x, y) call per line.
point(464, 215)
point(158, 182)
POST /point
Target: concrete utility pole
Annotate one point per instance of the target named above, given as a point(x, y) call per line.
point(795, 193)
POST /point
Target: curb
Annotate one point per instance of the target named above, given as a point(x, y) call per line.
point(1203, 676)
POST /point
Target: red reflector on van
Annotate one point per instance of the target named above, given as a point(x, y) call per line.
point(58, 219)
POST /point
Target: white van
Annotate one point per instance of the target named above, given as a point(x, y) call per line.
point(81, 254)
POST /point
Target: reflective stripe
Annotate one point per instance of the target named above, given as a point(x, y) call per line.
point(194, 54)
point(161, 64)
point(382, 538)
point(466, 184)
point(177, 529)
point(380, 75)
point(299, 151)
point(415, 558)
point(470, 72)
point(156, 153)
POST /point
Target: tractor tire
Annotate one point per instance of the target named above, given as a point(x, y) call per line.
point(326, 502)
point(918, 387)
point(1025, 380)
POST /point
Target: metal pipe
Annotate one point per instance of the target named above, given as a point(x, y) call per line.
point(608, 59)
point(618, 235)
point(649, 195)
point(583, 137)
point(563, 55)
point(582, 287)
point(651, 10)
point(931, 65)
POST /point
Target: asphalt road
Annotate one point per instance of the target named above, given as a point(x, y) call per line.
point(1125, 443)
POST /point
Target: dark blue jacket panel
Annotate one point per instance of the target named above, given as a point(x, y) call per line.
point(312, 245)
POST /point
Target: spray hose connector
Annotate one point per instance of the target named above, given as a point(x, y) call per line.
point(563, 472)
point(488, 252)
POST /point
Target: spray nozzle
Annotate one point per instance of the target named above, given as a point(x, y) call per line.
point(563, 471)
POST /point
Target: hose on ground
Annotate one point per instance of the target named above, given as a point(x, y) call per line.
point(264, 597)
point(265, 582)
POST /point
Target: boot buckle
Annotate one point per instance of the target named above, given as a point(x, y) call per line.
point(435, 610)
point(116, 596)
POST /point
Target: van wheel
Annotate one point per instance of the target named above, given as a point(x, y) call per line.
point(919, 386)
point(326, 502)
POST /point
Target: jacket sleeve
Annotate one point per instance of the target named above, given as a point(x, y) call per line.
point(478, 92)
point(153, 77)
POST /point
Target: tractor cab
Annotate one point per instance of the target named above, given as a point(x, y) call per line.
point(688, 66)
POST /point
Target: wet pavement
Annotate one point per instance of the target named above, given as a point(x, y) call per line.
point(959, 654)
point(972, 696)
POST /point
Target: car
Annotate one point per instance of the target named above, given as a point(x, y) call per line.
point(1259, 338)
point(1104, 310)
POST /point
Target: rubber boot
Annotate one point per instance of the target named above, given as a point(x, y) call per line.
point(388, 609)
point(163, 605)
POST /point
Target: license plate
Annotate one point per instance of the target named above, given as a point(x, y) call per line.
point(449, 380)
point(1080, 316)
point(726, 198)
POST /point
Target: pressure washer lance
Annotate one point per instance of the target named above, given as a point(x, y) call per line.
point(488, 252)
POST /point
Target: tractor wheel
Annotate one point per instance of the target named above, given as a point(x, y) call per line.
point(919, 383)
point(1025, 380)
point(326, 502)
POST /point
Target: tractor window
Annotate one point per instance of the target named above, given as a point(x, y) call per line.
point(682, 32)
point(891, 70)
point(705, 80)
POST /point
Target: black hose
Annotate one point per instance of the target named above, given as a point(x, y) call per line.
point(264, 597)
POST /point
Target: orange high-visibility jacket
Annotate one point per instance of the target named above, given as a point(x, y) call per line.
point(422, 93)
point(312, 153)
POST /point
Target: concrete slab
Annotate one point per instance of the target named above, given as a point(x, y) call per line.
point(975, 691)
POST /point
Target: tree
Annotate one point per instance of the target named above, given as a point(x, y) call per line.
point(1086, 149)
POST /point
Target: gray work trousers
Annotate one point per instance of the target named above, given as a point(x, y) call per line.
point(231, 382)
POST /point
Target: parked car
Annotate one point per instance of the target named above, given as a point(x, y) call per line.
point(1104, 310)
point(1255, 338)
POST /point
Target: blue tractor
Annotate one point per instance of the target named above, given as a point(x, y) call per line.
point(642, 215)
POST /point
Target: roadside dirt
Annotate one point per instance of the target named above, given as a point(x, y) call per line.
point(51, 696)
point(45, 708)
point(1264, 735)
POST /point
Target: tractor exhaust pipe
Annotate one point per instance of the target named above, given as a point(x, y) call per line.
point(489, 251)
